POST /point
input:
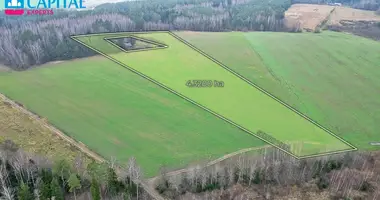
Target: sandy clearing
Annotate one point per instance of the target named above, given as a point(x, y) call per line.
point(344, 13)
point(309, 16)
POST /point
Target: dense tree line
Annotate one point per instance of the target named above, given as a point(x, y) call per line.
point(25, 44)
point(343, 175)
point(29, 177)
point(33, 40)
point(206, 15)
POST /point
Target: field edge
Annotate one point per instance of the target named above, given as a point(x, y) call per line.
point(75, 38)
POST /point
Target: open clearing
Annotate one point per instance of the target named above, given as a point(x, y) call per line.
point(237, 102)
point(350, 14)
point(311, 15)
point(117, 113)
point(334, 78)
point(308, 15)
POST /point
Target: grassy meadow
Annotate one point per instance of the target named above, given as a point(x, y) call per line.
point(33, 137)
point(334, 78)
point(119, 114)
point(237, 101)
point(330, 77)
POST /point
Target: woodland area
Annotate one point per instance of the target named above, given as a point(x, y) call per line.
point(31, 40)
point(34, 40)
point(31, 177)
point(275, 175)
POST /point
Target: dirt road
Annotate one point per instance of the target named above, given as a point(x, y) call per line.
point(151, 181)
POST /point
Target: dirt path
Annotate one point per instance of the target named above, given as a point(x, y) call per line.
point(225, 157)
point(38, 119)
point(151, 191)
point(151, 181)
point(148, 185)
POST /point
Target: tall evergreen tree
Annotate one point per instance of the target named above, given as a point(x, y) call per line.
point(45, 190)
point(24, 192)
point(56, 190)
point(95, 189)
point(74, 184)
point(112, 182)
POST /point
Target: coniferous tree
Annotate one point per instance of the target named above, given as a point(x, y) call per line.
point(74, 184)
point(24, 192)
point(56, 190)
point(95, 189)
point(112, 182)
point(45, 190)
point(62, 170)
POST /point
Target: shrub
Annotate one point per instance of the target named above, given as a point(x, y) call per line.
point(163, 186)
point(366, 186)
point(9, 145)
point(318, 30)
point(332, 165)
point(211, 186)
point(323, 183)
point(24, 192)
point(257, 177)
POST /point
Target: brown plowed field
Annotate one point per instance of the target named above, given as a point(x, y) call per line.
point(309, 16)
point(343, 13)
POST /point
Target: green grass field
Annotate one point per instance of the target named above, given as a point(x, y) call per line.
point(32, 137)
point(117, 113)
point(334, 78)
point(237, 101)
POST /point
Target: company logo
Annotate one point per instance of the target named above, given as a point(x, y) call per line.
point(39, 7)
point(14, 7)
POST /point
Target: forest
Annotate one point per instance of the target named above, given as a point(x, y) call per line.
point(273, 174)
point(34, 40)
point(359, 4)
point(24, 176)
point(25, 44)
